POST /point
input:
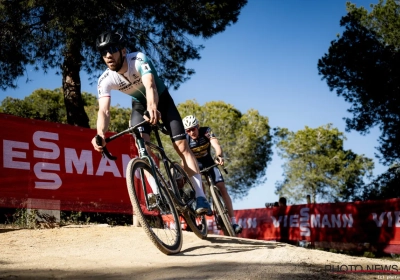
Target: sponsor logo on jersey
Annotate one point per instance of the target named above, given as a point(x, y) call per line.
point(105, 75)
point(145, 67)
point(136, 58)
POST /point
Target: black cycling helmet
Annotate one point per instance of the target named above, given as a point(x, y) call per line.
point(110, 38)
point(111, 42)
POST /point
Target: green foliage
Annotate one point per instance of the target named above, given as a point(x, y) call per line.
point(42, 104)
point(317, 164)
point(25, 218)
point(385, 186)
point(48, 105)
point(87, 218)
point(362, 65)
point(384, 20)
point(244, 138)
point(71, 217)
point(119, 117)
point(61, 35)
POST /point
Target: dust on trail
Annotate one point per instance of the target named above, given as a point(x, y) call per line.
point(89, 252)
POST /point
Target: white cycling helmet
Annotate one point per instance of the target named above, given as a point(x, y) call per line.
point(190, 121)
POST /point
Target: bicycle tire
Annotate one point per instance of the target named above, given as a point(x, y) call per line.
point(198, 224)
point(162, 226)
point(187, 194)
point(222, 212)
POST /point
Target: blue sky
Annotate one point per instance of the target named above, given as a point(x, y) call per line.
point(266, 61)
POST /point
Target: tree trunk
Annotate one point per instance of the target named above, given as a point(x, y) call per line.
point(71, 83)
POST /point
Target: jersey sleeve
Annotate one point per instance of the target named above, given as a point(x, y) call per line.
point(143, 65)
point(103, 88)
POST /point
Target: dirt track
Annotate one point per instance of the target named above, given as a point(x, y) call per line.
point(105, 252)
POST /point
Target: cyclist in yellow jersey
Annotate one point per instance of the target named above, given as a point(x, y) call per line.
point(200, 140)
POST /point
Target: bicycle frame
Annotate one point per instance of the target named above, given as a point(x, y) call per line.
point(204, 172)
point(169, 201)
point(143, 154)
point(184, 206)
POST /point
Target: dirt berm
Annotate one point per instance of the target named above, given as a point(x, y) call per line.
point(103, 252)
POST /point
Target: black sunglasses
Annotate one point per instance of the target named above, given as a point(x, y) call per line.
point(110, 49)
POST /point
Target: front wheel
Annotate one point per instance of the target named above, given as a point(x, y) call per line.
point(221, 212)
point(187, 195)
point(161, 223)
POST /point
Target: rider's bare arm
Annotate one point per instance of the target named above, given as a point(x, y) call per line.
point(103, 115)
point(151, 96)
point(218, 150)
point(103, 120)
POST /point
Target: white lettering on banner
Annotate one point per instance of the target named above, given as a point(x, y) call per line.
point(276, 222)
point(71, 158)
point(316, 220)
point(244, 222)
point(294, 220)
point(304, 222)
point(53, 177)
point(107, 165)
point(307, 220)
point(15, 154)
point(248, 222)
point(9, 154)
point(336, 220)
point(55, 151)
point(212, 226)
point(379, 221)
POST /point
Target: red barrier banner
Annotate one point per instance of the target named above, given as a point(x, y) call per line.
point(365, 224)
point(53, 166)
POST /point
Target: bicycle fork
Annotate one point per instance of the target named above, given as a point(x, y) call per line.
point(143, 154)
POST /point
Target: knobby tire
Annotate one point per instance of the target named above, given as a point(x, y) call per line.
point(222, 211)
point(162, 225)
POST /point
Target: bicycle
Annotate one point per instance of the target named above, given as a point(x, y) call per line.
point(160, 220)
point(218, 207)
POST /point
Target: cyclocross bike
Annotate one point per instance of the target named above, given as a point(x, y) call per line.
point(214, 197)
point(160, 218)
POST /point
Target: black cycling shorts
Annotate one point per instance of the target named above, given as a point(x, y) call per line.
point(170, 117)
point(215, 173)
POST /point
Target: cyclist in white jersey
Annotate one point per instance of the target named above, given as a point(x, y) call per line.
point(134, 74)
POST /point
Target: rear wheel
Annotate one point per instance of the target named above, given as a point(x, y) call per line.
point(221, 212)
point(161, 223)
point(187, 194)
point(198, 224)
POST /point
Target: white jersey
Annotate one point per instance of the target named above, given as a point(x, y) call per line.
point(131, 82)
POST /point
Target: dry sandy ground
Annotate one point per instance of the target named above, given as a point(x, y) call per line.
point(103, 252)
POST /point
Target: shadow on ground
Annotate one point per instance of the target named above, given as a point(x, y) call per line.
point(219, 270)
